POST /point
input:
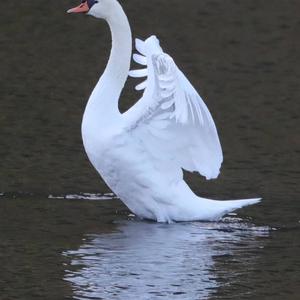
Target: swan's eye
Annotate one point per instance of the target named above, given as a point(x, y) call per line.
point(91, 2)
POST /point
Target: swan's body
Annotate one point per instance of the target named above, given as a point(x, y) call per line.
point(140, 154)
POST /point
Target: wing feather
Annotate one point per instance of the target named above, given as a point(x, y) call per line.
point(139, 73)
point(141, 86)
point(171, 120)
point(140, 59)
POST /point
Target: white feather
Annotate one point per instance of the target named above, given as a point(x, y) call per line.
point(138, 73)
point(141, 86)
point(140, 59)
point(140, 46)
point(167, 85)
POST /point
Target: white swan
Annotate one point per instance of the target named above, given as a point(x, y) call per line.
point(140, 154)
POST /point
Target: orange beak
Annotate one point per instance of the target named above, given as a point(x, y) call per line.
point(82, 8)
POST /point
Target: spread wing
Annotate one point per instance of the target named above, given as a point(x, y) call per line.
point(171, 120)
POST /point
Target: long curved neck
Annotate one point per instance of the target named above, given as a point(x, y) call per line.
point(102, 106)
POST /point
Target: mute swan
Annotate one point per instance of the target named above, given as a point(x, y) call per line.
point(140, 154)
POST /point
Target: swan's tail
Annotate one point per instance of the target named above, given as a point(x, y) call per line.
point(235, 204)
point(191, 207)
point(222, 208)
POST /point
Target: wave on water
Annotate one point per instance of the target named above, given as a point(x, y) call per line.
point(85, 196)
point(170, 261)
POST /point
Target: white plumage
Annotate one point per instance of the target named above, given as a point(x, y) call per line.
point(171, 118)
point(140, 154)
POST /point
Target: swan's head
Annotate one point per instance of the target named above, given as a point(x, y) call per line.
point(98, 8)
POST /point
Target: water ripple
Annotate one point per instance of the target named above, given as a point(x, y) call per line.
point(85, 196)
point(171, 261)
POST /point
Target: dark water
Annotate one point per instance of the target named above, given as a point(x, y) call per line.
point(243, 56)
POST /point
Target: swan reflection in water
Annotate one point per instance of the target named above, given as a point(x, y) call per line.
point(148, 260)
